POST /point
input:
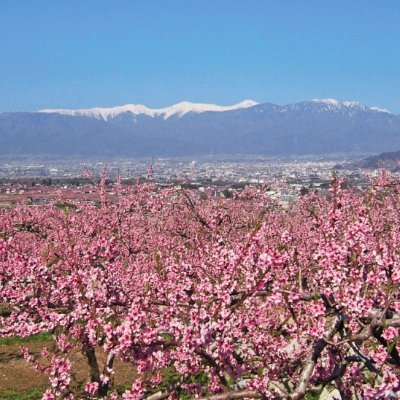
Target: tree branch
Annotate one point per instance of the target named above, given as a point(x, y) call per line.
point(251, 394)
point(317, 349)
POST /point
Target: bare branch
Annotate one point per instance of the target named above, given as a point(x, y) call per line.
point(250, 394)
point(309, 366)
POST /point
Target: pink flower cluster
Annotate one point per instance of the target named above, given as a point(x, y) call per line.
point(209, 297)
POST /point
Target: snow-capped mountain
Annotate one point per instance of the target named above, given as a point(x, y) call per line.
point(179, 109)
point(309, 127)
point(323, 105)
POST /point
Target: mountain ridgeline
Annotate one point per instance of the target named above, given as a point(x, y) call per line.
point(310, 127)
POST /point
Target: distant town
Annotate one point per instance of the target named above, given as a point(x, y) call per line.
point(61, 181)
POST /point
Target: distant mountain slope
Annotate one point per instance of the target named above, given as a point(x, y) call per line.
point(390, 161)
point(310, 127)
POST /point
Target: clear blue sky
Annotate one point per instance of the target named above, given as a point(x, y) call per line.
point(74, 54)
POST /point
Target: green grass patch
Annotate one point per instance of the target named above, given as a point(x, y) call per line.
point(120, 388)
point(40, 337)
point(34, 394)
point(311, 396)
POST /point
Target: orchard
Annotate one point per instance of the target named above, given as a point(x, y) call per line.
point(230, 298)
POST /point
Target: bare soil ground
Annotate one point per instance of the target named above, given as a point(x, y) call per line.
point(17, 375)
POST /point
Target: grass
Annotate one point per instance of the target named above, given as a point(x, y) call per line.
point(33, 394)
point(40, 337)
point(120, 389)
point(311, 396)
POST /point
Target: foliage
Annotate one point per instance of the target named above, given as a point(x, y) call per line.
point(40, 337)
point(234, 298)
point(34, 394)
point(227, 193)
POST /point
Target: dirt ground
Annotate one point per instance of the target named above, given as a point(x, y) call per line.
point(18, 375)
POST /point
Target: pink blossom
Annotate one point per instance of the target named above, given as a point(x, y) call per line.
point(390, 334)
point(225, 294)
point(380, 355)
point(92, 388)
point(48, 395)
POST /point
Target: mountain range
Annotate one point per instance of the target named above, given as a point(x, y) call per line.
point(310, 127)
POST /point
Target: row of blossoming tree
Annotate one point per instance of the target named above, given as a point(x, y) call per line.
point(233, 298)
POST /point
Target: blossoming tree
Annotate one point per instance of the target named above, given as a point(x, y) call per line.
point(233, 298)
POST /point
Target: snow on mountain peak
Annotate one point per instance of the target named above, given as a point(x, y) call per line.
point(378, 109)
point(104, 113)
point(179, 109)
point(185, 107)
point(332, 103)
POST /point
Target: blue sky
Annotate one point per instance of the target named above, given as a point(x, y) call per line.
point(75, 54)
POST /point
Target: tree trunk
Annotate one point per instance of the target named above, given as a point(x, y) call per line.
point(95, 371)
